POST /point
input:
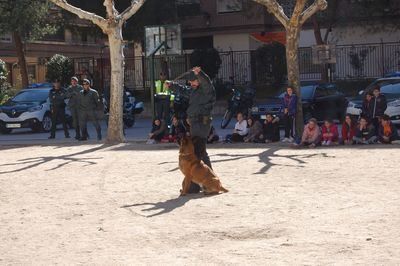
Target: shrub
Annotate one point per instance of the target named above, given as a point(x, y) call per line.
point(59, 67)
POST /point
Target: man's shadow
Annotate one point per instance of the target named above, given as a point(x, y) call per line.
point(164, 207)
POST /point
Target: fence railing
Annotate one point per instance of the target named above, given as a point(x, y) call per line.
point(358, 61)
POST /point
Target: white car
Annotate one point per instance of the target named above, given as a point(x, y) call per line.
point(30, 108)
point(390, 87)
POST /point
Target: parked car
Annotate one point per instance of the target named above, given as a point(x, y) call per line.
point(320, 101)
point(390, 87)
point(30, 108)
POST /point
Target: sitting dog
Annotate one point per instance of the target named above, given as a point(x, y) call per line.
point(196, 171)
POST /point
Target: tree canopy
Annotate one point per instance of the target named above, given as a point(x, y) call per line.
point(30, 18)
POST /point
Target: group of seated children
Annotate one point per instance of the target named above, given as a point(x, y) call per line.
point(362, 132)
point(160, 132)
point(252, 130)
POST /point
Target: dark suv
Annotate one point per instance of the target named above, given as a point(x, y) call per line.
point(320, 101)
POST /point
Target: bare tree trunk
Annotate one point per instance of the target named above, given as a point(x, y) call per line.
point(115, 121)
point(21, 59)
point(292, 60)
point(320, 41)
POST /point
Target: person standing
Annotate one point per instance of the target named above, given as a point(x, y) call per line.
point(89, 102)
point(162, 97)
point(57, 96)
point(73, 104)
point(201, 103)
point(289, 107)
point(378, 108)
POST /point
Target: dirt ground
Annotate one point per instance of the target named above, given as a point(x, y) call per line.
point(98, 204)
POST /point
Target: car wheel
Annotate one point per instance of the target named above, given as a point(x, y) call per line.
point(5, 131)
point(46, 123)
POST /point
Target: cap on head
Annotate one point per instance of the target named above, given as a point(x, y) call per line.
point(56, 80)
point(86, 81)
point(74, 78)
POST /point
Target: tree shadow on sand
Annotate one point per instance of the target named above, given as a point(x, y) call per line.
point(29, 163)
point(265, 157)
point(164, 207)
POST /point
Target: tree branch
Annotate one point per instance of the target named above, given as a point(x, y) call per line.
point(98, 20)
point(276, 9)
point(111, 11)
point(130, 11)
point(311, 10)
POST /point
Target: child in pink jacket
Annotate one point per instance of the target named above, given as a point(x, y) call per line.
point(311, 134)
point(330, 133)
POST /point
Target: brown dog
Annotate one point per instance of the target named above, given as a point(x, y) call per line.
point(196, 171)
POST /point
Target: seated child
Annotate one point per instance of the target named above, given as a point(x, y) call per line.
point(255, 130)
point(176, 132)
point(270, 129)
point(240, 130)
point(365, 134)
point(387, 131)
point(348, 130)
point(157, 132)
point(330, 134)
point(311, 134)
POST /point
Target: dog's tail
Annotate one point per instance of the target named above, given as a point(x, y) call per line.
point(223, 189)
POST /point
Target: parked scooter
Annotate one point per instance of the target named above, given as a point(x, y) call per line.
point(131, 107)
point(241, 101)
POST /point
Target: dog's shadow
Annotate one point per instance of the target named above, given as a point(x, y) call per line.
point(164, 207)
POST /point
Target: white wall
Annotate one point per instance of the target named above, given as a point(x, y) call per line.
point(352, 35)
point(232, 42)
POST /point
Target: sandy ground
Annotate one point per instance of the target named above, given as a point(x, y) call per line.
point(98, 204)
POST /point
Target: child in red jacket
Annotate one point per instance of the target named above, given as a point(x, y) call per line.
point(348, 130)
point(330, 134)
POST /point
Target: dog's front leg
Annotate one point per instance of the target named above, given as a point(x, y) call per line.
point(185, 186)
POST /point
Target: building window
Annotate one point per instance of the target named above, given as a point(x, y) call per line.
point(6, 38)
point(188, 8)
point(32, 73)
point(229, 6)
point(205, 42)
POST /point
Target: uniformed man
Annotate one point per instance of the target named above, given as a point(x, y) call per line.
point(162, 97)
point(89, 102)
point(57, 96)
point(201, 103)
point(73, 104)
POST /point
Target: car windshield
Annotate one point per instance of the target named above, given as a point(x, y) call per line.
point(31, 96)
point(382, 83)
point(306, 92)
point(391, 89)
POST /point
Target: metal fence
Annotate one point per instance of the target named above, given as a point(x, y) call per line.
point(358, 61)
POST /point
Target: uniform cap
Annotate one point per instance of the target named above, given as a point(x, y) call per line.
point(86, 81)
point(75, 78)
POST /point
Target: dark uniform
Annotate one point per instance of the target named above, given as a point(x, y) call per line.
point(201, 103)
point(73, 105)
point(89, 101)
point(57, 107)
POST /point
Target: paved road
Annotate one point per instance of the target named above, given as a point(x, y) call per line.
point(138, 132)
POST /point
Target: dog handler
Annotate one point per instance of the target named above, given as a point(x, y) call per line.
point(201, 103)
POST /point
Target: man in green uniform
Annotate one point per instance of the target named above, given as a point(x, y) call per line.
point(57, 96)
point(89, 101)
point(73, 104)
point(162, 98)
point(201, 103)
